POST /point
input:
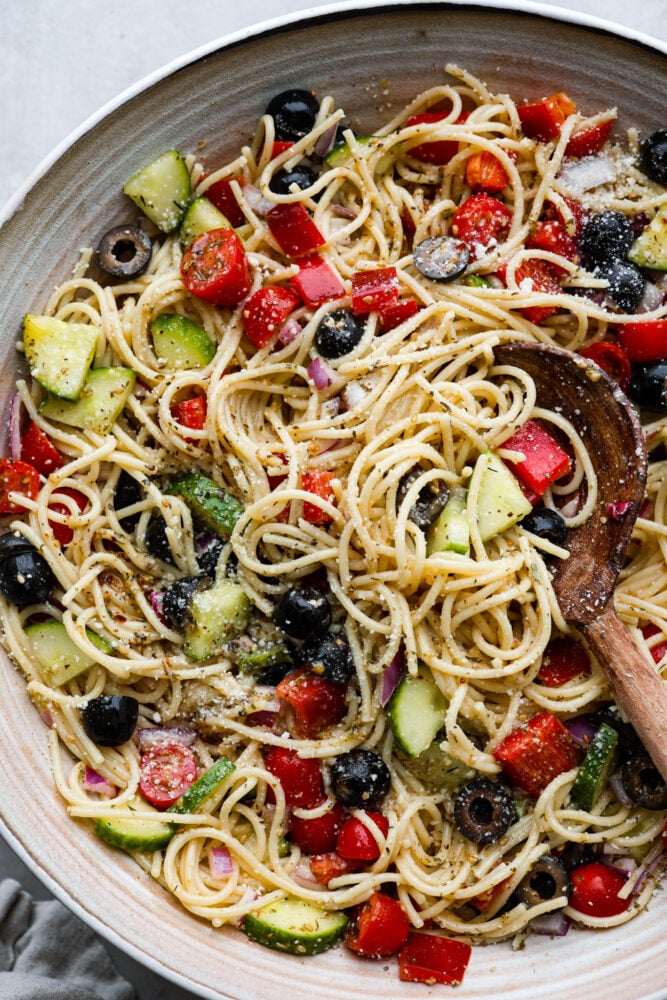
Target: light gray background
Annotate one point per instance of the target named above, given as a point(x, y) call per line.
point(60, 60)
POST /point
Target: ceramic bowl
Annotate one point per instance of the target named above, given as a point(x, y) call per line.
point(373, 58)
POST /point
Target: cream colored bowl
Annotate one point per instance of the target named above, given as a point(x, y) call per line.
point(373, 59)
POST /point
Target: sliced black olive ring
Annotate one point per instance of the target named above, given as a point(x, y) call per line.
point(431, 501)
point(547, 879)
point(643, 782)
point(124, 251)
point(483, 811)
point(441, 258)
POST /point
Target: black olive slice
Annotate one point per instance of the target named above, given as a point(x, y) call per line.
point(303, 613)
point(294, 113)
point(177, 597)
point(330, 657)
point(124, 251)
point(483, 811)
point(653, 156)
point(441, 258)
point(127, 493)
point(547, 879)
point(605, 237)
point(302, 175)
point(25, 575)
point(157, 542)
point(546, 523)
point(431, 500)
point(626, 283)
point(338, 333)
point(110, 719)
point(360, 778)
point(643, 782)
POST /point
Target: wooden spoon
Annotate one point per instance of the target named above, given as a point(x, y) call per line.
point(584, 583)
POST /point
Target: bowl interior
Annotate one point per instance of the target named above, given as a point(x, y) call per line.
point(372, 61)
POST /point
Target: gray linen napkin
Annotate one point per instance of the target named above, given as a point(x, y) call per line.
point(46, 953)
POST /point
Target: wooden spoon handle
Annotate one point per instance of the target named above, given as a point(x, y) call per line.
point(638, 689)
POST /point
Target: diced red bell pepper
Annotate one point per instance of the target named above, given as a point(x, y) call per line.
point(265, 311)
point(191, 412)
point(377, 928)
point(62, 532)
point(318, 482)
point(644, 341)
point(534, 754)
point(300, 777)
point(330, 865)
point(544, 119)
point(589, 140)
point(356, 842)
point(485, 172)
point(659, 651)
point(480, 220)
point(612, 359)
point(224, 199)
point(37, 450)
point(280, 146)
point(373, 291)
point(484, 900)
point(552, 236)
point(430, 958)
point(545, 460)
point(392, 316)
point(316, 282)
point(563, 660)
point(316, 702)
point(293, 229)
point(319, 835)
point(440, 151)
point(17, 477)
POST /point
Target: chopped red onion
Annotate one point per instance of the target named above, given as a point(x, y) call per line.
point(554, 924)
point(617, 510)
point(353, 394)
point(163, 734)
point(256, 200)
point(15, 427)
point(303, 875)
point(392, 676)
point(94, 782)
point(343, 211)
point(587, 173)
point(326, 141)
point(155, 597)
point(289, 331)
point(320, 374)
point(621, 865)
point(650, 868)
point(618, 790)
point(220, 861)
point(652, 298)
point(639, 222)
point(46, 717)
point(581, 730)
point(571, 508)
point(326, 446)
point(263, 718)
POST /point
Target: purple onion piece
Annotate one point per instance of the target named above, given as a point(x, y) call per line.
point(15, 428)
point(148, 738)
point(256, 200)
point(581, 730)
point(326, 141)
point(289, 331)
point(220, 861)
point(343, 211)
point(263, 718)
point(320, 374)
point(650, 868)
point(618, 790)
point(555, 924)
point(94, 782)
point(617, 510)
point(155, 597)
point(303, 875)
point(622, 865)
point(392, 677)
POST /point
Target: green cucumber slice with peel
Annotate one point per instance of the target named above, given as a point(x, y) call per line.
point(210, 504)
point(180, 343)
point(650, 247)
point(295, 926)
point(342, 154)
point(416, 711)
point(201, 216)
point(596, 768)
point(215, 616)
point(162, 190)
point(202, 792)
point(105, 392)
point(59, 354)
point(438, 771)
point(501, 502)
point(58, 657)
point(450, 532)
point(136, 834)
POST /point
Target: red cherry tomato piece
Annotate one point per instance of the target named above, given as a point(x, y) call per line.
point(534, 275)
point(330, 865)
point(62, 532)
point(356, 842)
point(552, 236)
point(429, 958)
point(579, 216)
point(293, 229)
point(485, 172)
point(224, 199)
point(280, 146)
point(440, 151)
point(300, 777)
point(316, 702)
point(265, 312)
point(375, 290)
point(318, 835)
point(17, 477)
point(166, 771)
point(612, 359)
point(589, 140)
point(481, 219)
point(595, 889)
point(659, 651)
point(563, 660)
point(191, 412)
point(315, 281)
point(645, 341)
point(544, 119)
point(392, 316)
point(377, 928)
point(215, 268)
point(317, 482)
point(37, 450)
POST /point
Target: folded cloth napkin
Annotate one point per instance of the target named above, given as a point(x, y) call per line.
point(46, 953)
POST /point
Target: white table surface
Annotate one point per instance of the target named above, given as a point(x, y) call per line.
point(63, 59)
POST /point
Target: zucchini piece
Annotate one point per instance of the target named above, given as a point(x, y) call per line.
point(215, 616)
point(438, 770)
point(501, 500)
point(477, 281)
point(59, 354)
point(416, 711)
point(180, 343)
point(58, 657)
point(200, 217)
point(214, 507)
point(596, 767)
point(136, 834)
point(104, 394)
point(342, 153)
point(450, 532)
point(295, 926)
point(162, 190)
point(202, 791)
point(650, 247)
point(255, 661)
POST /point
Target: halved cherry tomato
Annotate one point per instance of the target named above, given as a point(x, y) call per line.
point(392, 316)
point(485, 172)
point(440, 151)
point(378, 927)
point(316, 702)
point(536, 276)
point(645, 341)
point(563, 660)
point(318, 836)
point(545, 461)
point(224, 199)
point(280, 146)
point(330, 865)
point(318, 482)
point(166, 771)
point(579, 216)
point(265, 311)
point(191, 412)
point(430, 958)
point(612, 359)
point(374, 290)
point(215, 268)
point(356, 842)
point(316, 282)
point(62, 532)
point(300, 777)
point(544, 119)
point(37, 450)
point(16, 477)
point(595, 889)
point(481, 219)
point(293, 229)
point(589, 140)
point(552, 236)
point(659, 651)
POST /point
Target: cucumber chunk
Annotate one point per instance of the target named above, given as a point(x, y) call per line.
point(162, 190)
point(100, 403)
point(501, 501)
point(596, 767)
point(438, 770)
point(136, 834)
point(650, 247)
point(341, 154)
point(295, 926)
point(215, 616)
point(201, 792)
point(200, 217)
point(416, 711)
point(180, 343)
point(59, 354)
point(58, 657)
point(210, 504)
point(450, 532)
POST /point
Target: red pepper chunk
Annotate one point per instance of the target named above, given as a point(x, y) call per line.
point(318, 482)
point(318, 835)
point(191, 412)
point(440, 151)
point(316, 282)
point(644, 341)
point(485, 172)
point(589, 140)
point(330, 865)
point(534, 754)
point(545, 460)
point(300, 777)
point(356, 842)
point(563, 660)
point(265, 311)
point(37, 450)
point(544, 119)
point(375, 290)
point(552, 236)
point(224, 199)
point(378, 928)
point(393, 315)
point(62, 532)
point(293, 229)
point(16, 477)
point(316, 702)
point(280, 146)
point(430, 958)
